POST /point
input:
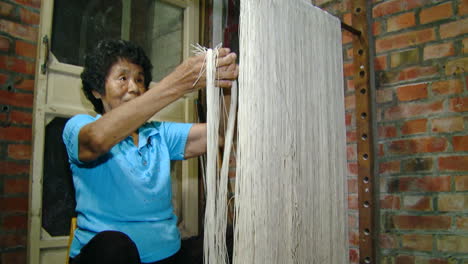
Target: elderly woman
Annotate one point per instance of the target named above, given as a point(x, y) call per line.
point(121, 163)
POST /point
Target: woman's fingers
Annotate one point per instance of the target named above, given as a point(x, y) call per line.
point(228, 72)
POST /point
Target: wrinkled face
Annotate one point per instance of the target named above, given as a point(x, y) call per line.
point(125, 81)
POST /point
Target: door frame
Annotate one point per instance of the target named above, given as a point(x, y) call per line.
point(38, 239)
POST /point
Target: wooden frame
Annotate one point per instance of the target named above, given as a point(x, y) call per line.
point(46, 107)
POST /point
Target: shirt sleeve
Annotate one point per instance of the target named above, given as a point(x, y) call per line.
point(70, 135)
point(175, 135)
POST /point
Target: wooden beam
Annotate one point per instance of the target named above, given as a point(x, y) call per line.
point(366, 179)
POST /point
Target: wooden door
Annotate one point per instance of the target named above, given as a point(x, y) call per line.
point(68, 29)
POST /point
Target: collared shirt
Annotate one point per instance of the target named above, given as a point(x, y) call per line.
point(129, 188)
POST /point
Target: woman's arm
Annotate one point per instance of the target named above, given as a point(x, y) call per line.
point(97, 138)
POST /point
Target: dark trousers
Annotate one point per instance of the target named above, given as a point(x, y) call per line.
point(113, 247)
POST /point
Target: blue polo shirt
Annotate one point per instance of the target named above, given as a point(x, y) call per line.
point(129, 188)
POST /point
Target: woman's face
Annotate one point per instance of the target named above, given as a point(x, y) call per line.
point(125, 81)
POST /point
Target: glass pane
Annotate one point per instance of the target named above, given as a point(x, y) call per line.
point(78, 25)
point(154, 25)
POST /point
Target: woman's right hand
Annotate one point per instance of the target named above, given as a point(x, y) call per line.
point(187, 76)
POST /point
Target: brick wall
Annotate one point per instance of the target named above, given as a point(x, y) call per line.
point(421, 62)
point(19, 21)
point(421, 49)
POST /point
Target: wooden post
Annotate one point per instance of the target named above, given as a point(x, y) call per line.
point(367, 230)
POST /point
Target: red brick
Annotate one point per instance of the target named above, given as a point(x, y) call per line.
point(352, 169)
point(13, 222)
point(16, 186)
point(387, 131)
point(350, 102)
point(16, 99)
point(12, 168)
point(351, 136)
point(350, 85)
point(435, 13)
point(416, 72)
point(454, 29)
point(403, 259)
point(348, 69)
point(462, 222)
point(19, 151)
point(14, 204)
point(351, 152)
point(17, 65)
point(353, 255)
point(406, 39)
point(405, 57)
point(349, 54)
point(418, 164)
point(353, 221)
point(388, 241)
point(401, 21)
point(31, 3)
point(353, 237)
point(353, 201)
point(381, 150)
point(4, 42)
point(348, 18)
point(461, 183)
point(25, 49)
point(447, 124)
point(456, 66)
point(6, 9)
point(418, 145)
point(348, 119)
point(388, 185)
point(395, 6)
point(415, 109)
point(453, 163)
point(346, 37)
point(438, 51)
point(14, 256)
point(12, 240)
point(465, 45)
point(447, 87)
point(463, 7)
point(408, 74)
point(430, 260)
point(425, 184)
point(417, 203)
point(390, 202)
point(25, 84)
point(422, 222)
point(352, 186)
point(453, 202)
point(412, 92)
point(17, 117)
point(453, 243)
point(3, 78)
point(380, 63)
point(377, 28)
point(414, 127)
point(384, 95)
point(29, 17)
point(459, 104)
point(15, 133)
point(18, 30)
point(389, 167)
point(417, 242)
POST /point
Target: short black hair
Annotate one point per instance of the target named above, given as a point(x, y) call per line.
point(100, 61)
